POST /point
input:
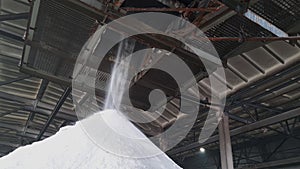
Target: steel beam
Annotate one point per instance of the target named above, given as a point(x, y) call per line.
point(276, 149)
point(172, 3)
point(55, 111)
point(129, 9)
point(19, 129)
point(246, 121)
point(14, 80)
point(270, 91)
point(60, 115)
point(252, 39)
point(294, 68)
point(42, 89)
point(225, 144)
point(8, 17)
point(215, 18)
point(42, 108)
point(11, 36)
point(39, 96)
point(15, 98)
point(276, 163)
point(250, 127)
point(260, 106)
point(239, 119)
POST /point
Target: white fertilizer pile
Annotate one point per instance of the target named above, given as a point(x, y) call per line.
point(71, 148)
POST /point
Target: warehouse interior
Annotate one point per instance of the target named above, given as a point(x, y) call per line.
point(258, 42)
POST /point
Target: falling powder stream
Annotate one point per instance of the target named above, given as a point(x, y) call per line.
point(119, 73)
point(71, 148)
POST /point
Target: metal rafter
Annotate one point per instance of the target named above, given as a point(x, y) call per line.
point(11, 36)
point(250, 127)
point(170, 9)
point(275, 163)
point(14, 80)
point(8, 17)
point(55, 111)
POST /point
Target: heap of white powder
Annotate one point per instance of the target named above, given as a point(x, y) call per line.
point(71, 148)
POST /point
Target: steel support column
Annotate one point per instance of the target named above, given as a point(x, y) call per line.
point(225, 143)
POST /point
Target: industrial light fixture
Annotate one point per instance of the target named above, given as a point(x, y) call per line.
point(202, 150)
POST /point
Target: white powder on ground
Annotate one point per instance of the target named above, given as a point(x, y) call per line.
point(71, 148)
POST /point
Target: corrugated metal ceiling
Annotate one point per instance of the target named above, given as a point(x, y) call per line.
point(22, 116)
